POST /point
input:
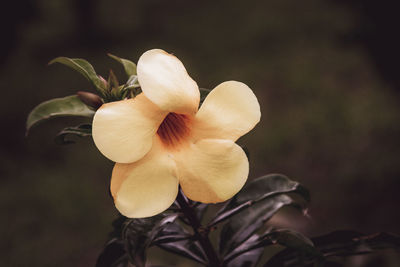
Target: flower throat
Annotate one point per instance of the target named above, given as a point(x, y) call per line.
point(174, 129)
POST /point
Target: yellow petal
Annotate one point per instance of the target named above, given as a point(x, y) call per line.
point(123, 131)
point(165, 81)
point(228, 112)
point(146, 187)
point(212, 170)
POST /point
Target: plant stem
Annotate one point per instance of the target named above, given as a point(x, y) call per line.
point(199, 231)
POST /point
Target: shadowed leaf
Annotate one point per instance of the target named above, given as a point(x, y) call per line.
point(129, 66)
point(113, 255)
point(138, 234)
point(175, 239)
point(336, 246)
point(258, 190)
point(82, 130)
point(58, 107)
point(246, 255)
point(84, 68)
point(254, 205)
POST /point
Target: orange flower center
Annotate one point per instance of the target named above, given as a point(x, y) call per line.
point(174, 129)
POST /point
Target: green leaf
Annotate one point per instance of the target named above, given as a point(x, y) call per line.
point(294, 240)
point(113, 255)
point(129, 66)
point(112, 80)
point(246, 254)
point(258, 190)
point(82, 130)
point(290, 239)
point(58, 107)
point(254, 205)
point(336, 246)
point(138, 235)
point(179, 244)
point(84, 68)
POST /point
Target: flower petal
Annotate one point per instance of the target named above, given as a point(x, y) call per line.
point(212, 170)
point(123, 131)
point(228, 112)
point(165, 81)
point(146, 187)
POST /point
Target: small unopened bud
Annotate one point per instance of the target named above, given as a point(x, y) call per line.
point(90, 99)
point(103, 80)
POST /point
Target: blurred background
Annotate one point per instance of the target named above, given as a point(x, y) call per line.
point(325, 72)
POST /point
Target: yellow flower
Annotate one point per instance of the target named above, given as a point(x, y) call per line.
point(161, 139)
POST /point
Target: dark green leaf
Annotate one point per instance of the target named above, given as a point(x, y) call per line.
point(294, 240)
point(255, 204)
point(200, 209)
point(240, 227)
point(248, 259)
point(113, 255)
point(112, 80)
point(84, 68)
point(342, 243)
point(138, 235)
point(66, 106)
point(337, 245)
point(187, 248)
point(171, 233)
point(300, 246)
point(82, 130)
point(246, 254)
point(129, 66)
point(258, 190)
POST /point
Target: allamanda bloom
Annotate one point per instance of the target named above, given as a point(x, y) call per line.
point(161, 138)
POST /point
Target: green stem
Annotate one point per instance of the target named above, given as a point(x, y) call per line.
point(199, 231)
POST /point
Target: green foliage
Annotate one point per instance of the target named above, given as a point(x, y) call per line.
point(243, 238)
point(131, 238)
point(244, 215)
point(84, 68)
point(82, 130)
point(129, 66)
point(58, 107)
point(332, 249)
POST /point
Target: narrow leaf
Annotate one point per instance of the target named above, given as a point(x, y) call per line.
point(112, 80)
point(336, 246)
point(83, 67)
point(114, 254)
point(254, 205)
point(138, 235)
point(294, 240)
point(247, 254)
point(66, 106)
point(243, 225)
point(82, 130)
point(129, 66)
point(258, 190)
point(175, 239)
point(186, 248)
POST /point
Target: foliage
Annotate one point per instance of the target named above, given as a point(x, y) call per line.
point(58, 107)
point(243, 235)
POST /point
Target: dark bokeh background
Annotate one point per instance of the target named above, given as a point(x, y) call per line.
point(326, 74)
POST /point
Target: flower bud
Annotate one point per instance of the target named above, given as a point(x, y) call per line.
point(90, 99)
